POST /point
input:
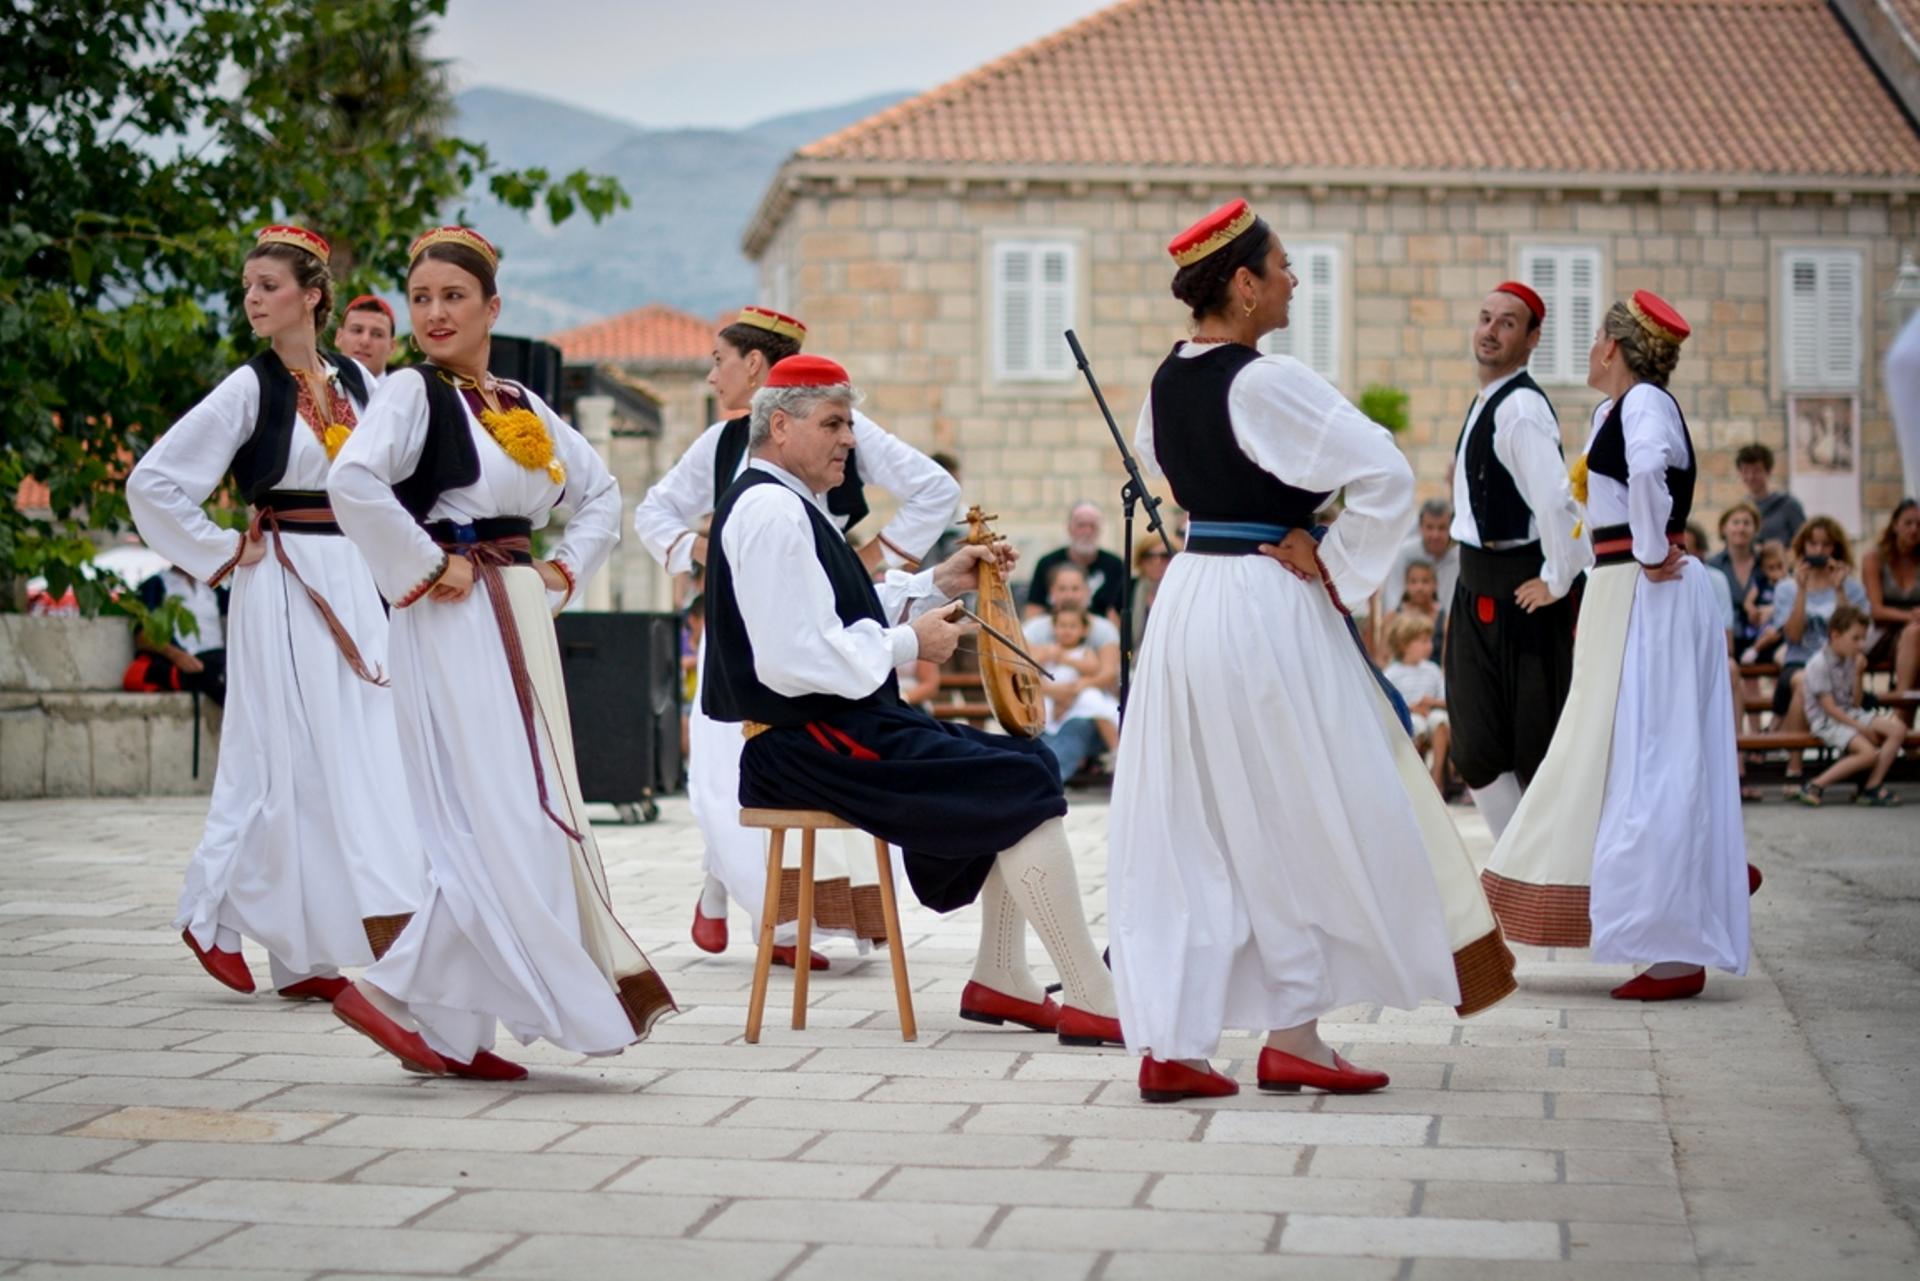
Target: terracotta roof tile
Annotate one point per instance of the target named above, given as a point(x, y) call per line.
point(1683, 87)
point(654, 333)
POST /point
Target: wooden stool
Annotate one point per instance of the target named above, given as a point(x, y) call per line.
point(807, 822)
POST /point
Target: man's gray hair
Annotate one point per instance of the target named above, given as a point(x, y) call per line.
point(1437, 507)
point(797, 402)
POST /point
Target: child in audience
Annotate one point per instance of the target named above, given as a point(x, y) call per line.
point(1759, 603)
point(1078, 710)
point(1831, 684)
point(1414, 673)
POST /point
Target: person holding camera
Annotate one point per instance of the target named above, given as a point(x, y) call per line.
point(1803, 605)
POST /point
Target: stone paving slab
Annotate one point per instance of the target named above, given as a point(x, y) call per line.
point(152, 1124)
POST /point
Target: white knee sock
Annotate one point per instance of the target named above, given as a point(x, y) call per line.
point(1039, 874)
point(1001, 963)
point(1497, 801)
point(713, 899)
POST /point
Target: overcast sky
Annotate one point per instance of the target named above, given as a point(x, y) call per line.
point(731, 62)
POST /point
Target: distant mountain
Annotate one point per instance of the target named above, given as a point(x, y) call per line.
point(693, 191)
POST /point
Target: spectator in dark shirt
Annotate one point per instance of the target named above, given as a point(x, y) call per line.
point(1106, 573)
point(1781, 514)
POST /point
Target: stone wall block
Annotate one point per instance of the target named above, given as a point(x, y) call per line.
point(23, 751)
point(69, 759)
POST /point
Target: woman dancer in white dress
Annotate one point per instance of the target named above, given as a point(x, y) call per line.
point(442, 486)
point(1261, 876)
point(309, 848)
point(669, 521)
point(1630, 838)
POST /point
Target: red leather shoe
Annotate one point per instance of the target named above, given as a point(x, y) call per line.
point(982, 1004)
point(322, 987)
point(784, 955)
point(1645, 987)
point(1286, 1073)
point(486, 1066)
point(1078, 1027)
point(1754, 880)
point(709, 932)
point(228, 968)
point(1167, 1081)
point(360, 1014)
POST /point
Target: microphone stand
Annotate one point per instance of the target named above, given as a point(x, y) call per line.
point(1133, 492)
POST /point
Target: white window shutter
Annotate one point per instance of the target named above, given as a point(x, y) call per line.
point(1820, 299)
point(1540, 269)
point(1567, 278)
point(1312, 335)
point(1033, 307)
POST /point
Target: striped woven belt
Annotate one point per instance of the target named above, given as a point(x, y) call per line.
point(1613, 544)
point(1231, 537)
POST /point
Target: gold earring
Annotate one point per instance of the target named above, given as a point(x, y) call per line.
point(1246, 309)
point(1606, 362)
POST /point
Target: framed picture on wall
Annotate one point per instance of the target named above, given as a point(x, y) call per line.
point(1823, 454)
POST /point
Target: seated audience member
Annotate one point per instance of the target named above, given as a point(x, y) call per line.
point(1759, 604)
point(1069, 591)
point(1414, 673)
point(1421, 600)
point(1106, 573)
point(1738, 560)
point(1696, 547)
point(955, 533)
point(1781, 514)
point(1890, 572)
point(919, 682)
point(197, 662)
point(1432, 545)
point(1150, 561)
point(1831, 685)
point(1079, 712)
point(1821, 582)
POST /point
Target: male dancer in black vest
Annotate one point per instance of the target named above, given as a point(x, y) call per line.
point(1509, 651)
point(802, 646)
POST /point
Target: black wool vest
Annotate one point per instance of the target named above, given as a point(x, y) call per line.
point(1499, 512)
point(1193, 441)
point(729, 688)
point(448, 460)
point(847, 500)
point(259, 464)
point(1607, 456)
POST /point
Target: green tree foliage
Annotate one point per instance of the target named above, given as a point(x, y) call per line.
point(142, 143)
point(1386, 406)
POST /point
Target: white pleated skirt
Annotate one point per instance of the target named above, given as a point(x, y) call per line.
point(517, 926)
point(1630, 838)
point(1267, 862)
point(309, 829)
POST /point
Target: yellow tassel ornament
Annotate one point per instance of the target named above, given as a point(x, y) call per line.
point(1577, 481)
point(334, 437)
point(523, 436)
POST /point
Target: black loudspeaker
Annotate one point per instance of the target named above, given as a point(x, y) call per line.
point(623, 689)
point(528, 361)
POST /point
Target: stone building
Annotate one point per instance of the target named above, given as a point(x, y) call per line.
point(1744, 158)
point(662, 353)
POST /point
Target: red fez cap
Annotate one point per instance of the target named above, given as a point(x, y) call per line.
point(367, 302)
point(773, 322)
point(298, 237)
point(1213, 232)
point(807, 371)
point(1657, 316)
point(1525, 295)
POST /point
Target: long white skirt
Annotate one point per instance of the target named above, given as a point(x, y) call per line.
point(1630, 838)
point(309, 829)
point(846, 882)
point(1267, 862)
point(517, 926)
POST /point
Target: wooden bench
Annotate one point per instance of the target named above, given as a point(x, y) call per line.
point(807, 822)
